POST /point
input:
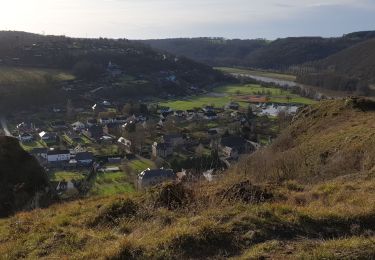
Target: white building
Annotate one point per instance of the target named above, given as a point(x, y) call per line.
point(58, 156)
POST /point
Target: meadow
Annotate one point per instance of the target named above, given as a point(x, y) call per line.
point(221, 96)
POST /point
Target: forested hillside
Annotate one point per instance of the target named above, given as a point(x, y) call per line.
point(278, 54)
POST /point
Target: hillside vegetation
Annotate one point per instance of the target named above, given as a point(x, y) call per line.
point(309, 195)
point(259, 53)
point(23, 182)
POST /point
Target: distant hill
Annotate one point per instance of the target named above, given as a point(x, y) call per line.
point(212, 51)
point(357, 61)
point(279, 54)
point(352, 69)
point(60, 52)
point(23, 182)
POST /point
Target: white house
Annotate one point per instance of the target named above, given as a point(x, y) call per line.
point(58, 156)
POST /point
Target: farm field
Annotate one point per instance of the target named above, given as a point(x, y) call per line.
point(222, 95)
point(257, 73)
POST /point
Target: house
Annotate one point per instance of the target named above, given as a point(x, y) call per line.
point(95, 132)
point(120, 120)
point(112, 129)
point(233, 105)
point(210, 115)
point(91, 122)
point(174, 139)
point(48, 136)
point(26, 137)
point(105, 120)
point(162, 150)
point(152, 177)
point(78, 126)
point(233, 146)
point(106, 139)
point(114, 70)
point(55, 156)
point(39, 152)
point(73, 136)
point(84, 158)
point(208, 109)
point(179, 113)
point(127, 144)
point(58, 125)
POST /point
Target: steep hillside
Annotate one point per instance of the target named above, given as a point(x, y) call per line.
point(308, 196)
point(278, 54)
point(23, 183)
point(357, 61)
point(212, 51)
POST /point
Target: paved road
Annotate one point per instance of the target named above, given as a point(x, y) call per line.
point(4, 126)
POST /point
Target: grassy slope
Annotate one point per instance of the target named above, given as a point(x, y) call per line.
point(13, 76)
point(318, 213)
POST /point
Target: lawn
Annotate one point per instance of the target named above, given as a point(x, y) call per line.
point(107, 184)
point(66, 175)
point(223, 95)
point(140, 165)
point(258, 73)
point(104, 149)
point(31, 145)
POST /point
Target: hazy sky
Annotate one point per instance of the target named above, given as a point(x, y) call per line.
point(143, 19)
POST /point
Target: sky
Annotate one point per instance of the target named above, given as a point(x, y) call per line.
point(152, 19)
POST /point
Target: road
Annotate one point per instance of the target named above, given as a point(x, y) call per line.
point(4, 126)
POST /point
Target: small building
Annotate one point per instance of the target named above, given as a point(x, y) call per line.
point(233, 146)
point(48, 136)
point(58, 125)
point(105, 120)
point(156, 176)
point(94, 132)
point(54, 156)
point(78, 126)
point(208, 109)
point(125, 143)
point(91, 122)
point(40, 152)
point(120, 119)
point(84, 158)
point(162, 150)
point(25, 137)
point(112, 129)
point(210, 115)
point(174, 139)
point(233, 105)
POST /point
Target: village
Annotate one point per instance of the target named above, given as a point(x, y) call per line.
point(97, 144)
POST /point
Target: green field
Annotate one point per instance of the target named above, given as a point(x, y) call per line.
point(66, 175)
point(31, 145)
point(106, 184)
point(258, 73)
point(223, 95)
point(141, 165)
